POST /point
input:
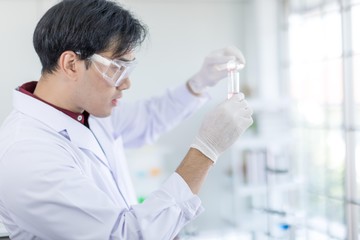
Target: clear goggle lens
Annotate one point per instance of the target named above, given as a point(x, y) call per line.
point(114, 71)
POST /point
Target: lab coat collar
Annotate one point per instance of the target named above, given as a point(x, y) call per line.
point(78, 134)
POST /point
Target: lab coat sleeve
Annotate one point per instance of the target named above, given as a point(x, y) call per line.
point(48, 196)
point(172, 207)
point(142, 122)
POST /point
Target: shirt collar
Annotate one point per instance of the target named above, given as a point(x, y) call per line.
point(29, 88)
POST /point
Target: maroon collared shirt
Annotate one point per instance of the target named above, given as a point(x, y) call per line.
point(29, 88)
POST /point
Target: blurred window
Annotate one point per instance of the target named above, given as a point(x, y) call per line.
point(324, 76)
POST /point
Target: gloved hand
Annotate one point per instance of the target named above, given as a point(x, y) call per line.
point(214, 68)
point(222, 126)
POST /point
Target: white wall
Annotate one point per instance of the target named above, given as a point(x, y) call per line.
point(181, 34)
point(18, 60)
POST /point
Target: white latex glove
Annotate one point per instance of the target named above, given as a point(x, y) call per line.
point(214, 68)
point(222, 126)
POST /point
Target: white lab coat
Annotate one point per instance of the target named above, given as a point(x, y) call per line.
point(61, 180)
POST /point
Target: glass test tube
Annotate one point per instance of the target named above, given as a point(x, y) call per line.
point(233, 68)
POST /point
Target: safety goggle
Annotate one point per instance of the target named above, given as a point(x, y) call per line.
point(114, 71)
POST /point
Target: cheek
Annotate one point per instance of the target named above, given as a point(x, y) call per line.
point(94, 84)
point(96, 96)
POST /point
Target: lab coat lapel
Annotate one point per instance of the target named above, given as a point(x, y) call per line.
point(85, 139)
point(78, 134)
point(102, 128)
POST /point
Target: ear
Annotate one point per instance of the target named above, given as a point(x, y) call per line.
point(69, 64)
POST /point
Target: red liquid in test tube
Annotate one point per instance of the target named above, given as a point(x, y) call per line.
point(233, 68)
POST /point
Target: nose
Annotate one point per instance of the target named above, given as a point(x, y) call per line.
point(126, 84)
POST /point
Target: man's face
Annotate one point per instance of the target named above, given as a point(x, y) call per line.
point(96, 94)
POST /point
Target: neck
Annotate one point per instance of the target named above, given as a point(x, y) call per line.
point(56, 90)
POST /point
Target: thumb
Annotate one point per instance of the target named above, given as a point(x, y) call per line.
point(237, 97)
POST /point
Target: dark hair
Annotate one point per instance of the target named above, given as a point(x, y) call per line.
point(85, 27)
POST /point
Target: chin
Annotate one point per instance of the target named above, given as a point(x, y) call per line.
point(101, 114)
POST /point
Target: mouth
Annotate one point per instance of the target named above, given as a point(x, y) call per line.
point(115, 100)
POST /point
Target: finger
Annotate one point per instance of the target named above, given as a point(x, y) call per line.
point(244, 112)
point(249, 121)
point(238, 97)
point(234, 51)
point(243, 104)
point(219, 61)
point(248, 111)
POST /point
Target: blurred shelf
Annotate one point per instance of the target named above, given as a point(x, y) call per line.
point(224, 234)
point(3, 232)
point(249, 190)
point(270, 105)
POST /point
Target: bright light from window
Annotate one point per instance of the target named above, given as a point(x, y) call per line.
point(317, 83)
point(332, 37)
point(355, 13)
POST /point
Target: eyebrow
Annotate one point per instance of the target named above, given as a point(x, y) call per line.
point(126, 60)
point(121, 58)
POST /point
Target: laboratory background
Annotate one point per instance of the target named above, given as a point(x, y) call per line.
point(295, 173)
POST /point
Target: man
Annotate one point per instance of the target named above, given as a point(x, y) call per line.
point(63, 173)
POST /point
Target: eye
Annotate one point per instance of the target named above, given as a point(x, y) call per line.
point(113, 68)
